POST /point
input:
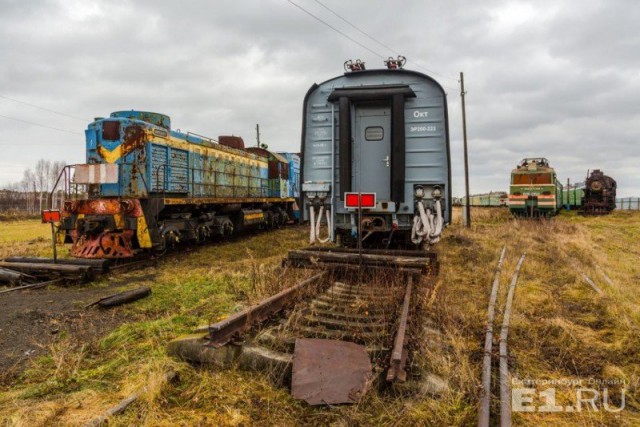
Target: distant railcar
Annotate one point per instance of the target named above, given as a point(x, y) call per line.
point(599, 194)
point(382, 133)
point(491, 199)
point(149, 187)
point(535, 190)
point(573, 197)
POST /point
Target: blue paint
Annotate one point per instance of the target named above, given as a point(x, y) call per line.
point(155, 167)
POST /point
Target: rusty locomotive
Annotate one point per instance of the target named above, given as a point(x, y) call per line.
point(146, 187)
point(599, 194)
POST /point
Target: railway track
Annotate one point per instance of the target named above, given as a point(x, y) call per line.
point(503, 396)
point(354, 316)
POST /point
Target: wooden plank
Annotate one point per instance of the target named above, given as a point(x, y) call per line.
point(98, 264)
point(44, 268)
point(365, 259)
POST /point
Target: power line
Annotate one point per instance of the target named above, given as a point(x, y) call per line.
point(40, 125)
point(336, 30)
point(44, 109)
point(356, 28)
point(379, 42)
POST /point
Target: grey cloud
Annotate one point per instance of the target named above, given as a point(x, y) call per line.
point(553, 78)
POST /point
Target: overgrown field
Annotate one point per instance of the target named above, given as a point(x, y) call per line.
point(24, 236)
point(561, 329)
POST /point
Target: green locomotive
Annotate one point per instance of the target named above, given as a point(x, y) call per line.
point(535, 190)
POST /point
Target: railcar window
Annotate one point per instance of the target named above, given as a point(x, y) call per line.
point(374, 133)
point(532, 178)
point(111, 130)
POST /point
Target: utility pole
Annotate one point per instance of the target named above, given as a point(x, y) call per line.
point(257, 135)
point(467, 207)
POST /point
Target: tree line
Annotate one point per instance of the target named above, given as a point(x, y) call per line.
point(30, 195)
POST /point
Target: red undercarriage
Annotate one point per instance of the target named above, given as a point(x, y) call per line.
point(108, 244)
point(105, 243)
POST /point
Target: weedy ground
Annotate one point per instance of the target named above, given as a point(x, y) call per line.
point(561, 329)
point(24, 237)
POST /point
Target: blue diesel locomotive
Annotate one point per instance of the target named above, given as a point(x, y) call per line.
point(147, 187)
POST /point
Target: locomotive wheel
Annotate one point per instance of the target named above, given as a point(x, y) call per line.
point(202, 234)
point(170, 238)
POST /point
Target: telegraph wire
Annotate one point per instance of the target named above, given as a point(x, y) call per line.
point(336, 30)
point(356, 28)
point(41, 125)
point(44, 109)
point(380, 43)
point(369, 36)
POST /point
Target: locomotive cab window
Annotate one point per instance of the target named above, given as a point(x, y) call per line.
point(374, 133)
point(111, 130)
point(532, 178)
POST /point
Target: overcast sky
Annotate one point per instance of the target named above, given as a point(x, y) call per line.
point(558, 79)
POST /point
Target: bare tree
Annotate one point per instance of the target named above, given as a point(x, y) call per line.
point(28, 185)
point(56, 169)
point(36, 184)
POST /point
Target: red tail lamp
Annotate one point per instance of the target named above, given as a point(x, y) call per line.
point(360, 200)
point(50, 216)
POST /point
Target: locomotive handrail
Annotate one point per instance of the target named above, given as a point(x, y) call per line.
point(65, 178)
point(66, 183)
point(235, 186)
point(164, 184)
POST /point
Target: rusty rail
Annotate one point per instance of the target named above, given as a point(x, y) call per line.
point(483, 413)
point(397, 370)
point(33, 286)
point(505, 388)
point(222, 332)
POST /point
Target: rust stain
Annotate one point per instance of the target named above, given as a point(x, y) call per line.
point(108, 244)
point(329, 372)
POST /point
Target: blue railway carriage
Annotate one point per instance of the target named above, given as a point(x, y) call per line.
point(382, 134)
point(294, 173)
point(149, 187)
point(294, 180)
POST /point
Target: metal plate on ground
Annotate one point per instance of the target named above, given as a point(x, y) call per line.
point(329, 372)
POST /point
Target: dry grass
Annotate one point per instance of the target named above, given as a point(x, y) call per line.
point(24, 237)
point(561, 329)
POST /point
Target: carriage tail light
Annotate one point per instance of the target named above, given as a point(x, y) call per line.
point(363, 200)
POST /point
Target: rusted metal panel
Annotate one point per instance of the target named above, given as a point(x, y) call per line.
point(222, 200)
point(158, 167)
point(330, 372)
point(179, 171)
point(108, 244)
point(129, 207)
point(231, 141)
point(96, 174)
